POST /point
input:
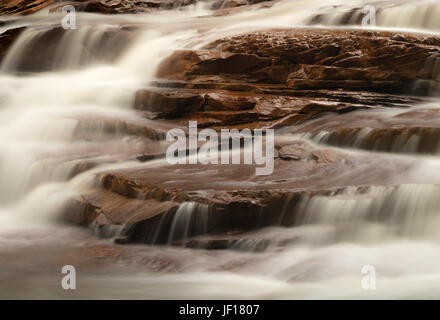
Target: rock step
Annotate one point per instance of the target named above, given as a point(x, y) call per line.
point(226, 109)
point(400, 131)
point(158, 203)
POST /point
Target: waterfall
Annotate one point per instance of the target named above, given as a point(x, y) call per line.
point(67, 117)
point(387, 212)
point(74, 114)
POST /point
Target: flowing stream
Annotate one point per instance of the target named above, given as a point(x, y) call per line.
point(55, 110)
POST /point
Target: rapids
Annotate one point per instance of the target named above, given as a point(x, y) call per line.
point(56, 113)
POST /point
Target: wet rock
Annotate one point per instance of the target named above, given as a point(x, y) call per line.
point(216, 101)
point(354, 14)
point(272, 109)
point(310, 59)
point(129, 6)
point(266, 79)
point(147, 6)
point(254, 241)
point(325, 157)
point(24, 7)
point(168, 103)
point(170, 204)
point(286, 77)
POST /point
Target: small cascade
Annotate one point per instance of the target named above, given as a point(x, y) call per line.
point(415, 140)
point(67, 119)
point(172, 227)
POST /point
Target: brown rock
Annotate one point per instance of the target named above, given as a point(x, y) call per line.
point(145, 6)
point(413, 131)
point(225, 4)
point(40, 56)
point(217, 199)
point(352, 13)
point(168, 103)
point(23, 7)
point(285, 77)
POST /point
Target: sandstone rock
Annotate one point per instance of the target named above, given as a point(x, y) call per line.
point(367, 60)
point(23, 7)
point(177, 64)
point(143, 204)
point(255, 241)
point(290, 152)
point(219, 101)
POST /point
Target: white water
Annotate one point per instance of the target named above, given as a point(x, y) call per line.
point(398, 14)
point(44, 137)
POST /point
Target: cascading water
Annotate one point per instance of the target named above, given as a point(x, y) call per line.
point(65, 119)
point(400, 14)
